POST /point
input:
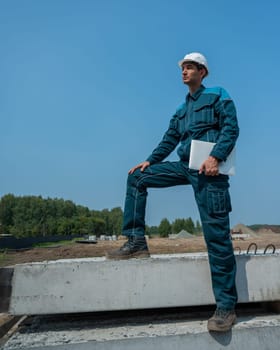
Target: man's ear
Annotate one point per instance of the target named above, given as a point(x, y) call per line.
point(203, 73)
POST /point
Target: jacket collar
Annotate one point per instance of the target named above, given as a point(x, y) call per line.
point(196, 95)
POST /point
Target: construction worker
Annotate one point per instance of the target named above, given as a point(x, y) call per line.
point(208, 114)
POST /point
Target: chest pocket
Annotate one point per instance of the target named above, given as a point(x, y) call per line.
point(181, 114)
point(204, 109)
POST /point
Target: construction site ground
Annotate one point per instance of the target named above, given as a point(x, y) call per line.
point(156, 246)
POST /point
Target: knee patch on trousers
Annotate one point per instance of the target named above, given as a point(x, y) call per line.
point(226, 261)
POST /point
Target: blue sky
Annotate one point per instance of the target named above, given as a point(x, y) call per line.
point(87, 89)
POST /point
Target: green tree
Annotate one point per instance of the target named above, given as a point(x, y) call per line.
point(151, 230)
point(116, 219)
point(7, 204)
point(198, 228)
point(164, 228)
point(34, 216)
point(178, 225)
point(82, 211)
point(97, 226)
point(65, 226)
point(189, 225)
point(104, 215)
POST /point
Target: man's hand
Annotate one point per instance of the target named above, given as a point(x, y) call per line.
point(142, 167)
point(210, 166)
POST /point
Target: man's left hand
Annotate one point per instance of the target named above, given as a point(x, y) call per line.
point(210, 167)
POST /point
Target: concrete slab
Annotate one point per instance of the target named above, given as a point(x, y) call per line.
point(85, 285)
point(252, 333)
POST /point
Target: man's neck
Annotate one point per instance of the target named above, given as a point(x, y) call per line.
point(194, 88)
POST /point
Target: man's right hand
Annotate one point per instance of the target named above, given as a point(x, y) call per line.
point(142, 167)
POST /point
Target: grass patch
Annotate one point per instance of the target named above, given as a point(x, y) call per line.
point(3, 257)
point(53, 244)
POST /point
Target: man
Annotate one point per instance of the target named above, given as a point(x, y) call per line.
point(208, 114)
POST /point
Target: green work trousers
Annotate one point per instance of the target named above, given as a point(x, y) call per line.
point(213, 201)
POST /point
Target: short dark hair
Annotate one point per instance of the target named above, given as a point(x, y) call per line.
point(201, 66)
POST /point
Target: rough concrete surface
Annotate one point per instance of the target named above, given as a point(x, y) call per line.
point(251, 333)
point(97, 284)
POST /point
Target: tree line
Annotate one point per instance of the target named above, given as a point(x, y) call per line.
point(25, 216)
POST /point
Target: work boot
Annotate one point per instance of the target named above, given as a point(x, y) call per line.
point(134, 247)
point(222, 320)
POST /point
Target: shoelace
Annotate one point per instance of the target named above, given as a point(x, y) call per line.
point(130, 243)
point(222, 313)
point(127, 244)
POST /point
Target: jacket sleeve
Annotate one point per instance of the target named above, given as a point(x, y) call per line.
point(229, 130)
point(168, 143)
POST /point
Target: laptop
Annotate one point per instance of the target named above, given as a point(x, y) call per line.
point(200, 151)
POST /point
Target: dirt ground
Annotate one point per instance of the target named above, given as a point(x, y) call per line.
point(156, 246)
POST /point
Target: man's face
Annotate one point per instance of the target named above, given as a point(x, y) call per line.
point(191, 74)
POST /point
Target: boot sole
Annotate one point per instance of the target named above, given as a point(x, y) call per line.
point(135, 255)
point(226, 328)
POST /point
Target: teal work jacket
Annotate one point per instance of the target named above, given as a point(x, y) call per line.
point(208, 115)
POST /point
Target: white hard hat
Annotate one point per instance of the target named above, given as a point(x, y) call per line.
point(195, 57)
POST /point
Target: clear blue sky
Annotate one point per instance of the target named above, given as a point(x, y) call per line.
point(87, 89)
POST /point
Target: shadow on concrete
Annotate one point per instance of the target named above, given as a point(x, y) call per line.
point(6, 275)
point(241, 278)
point(222, 338)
